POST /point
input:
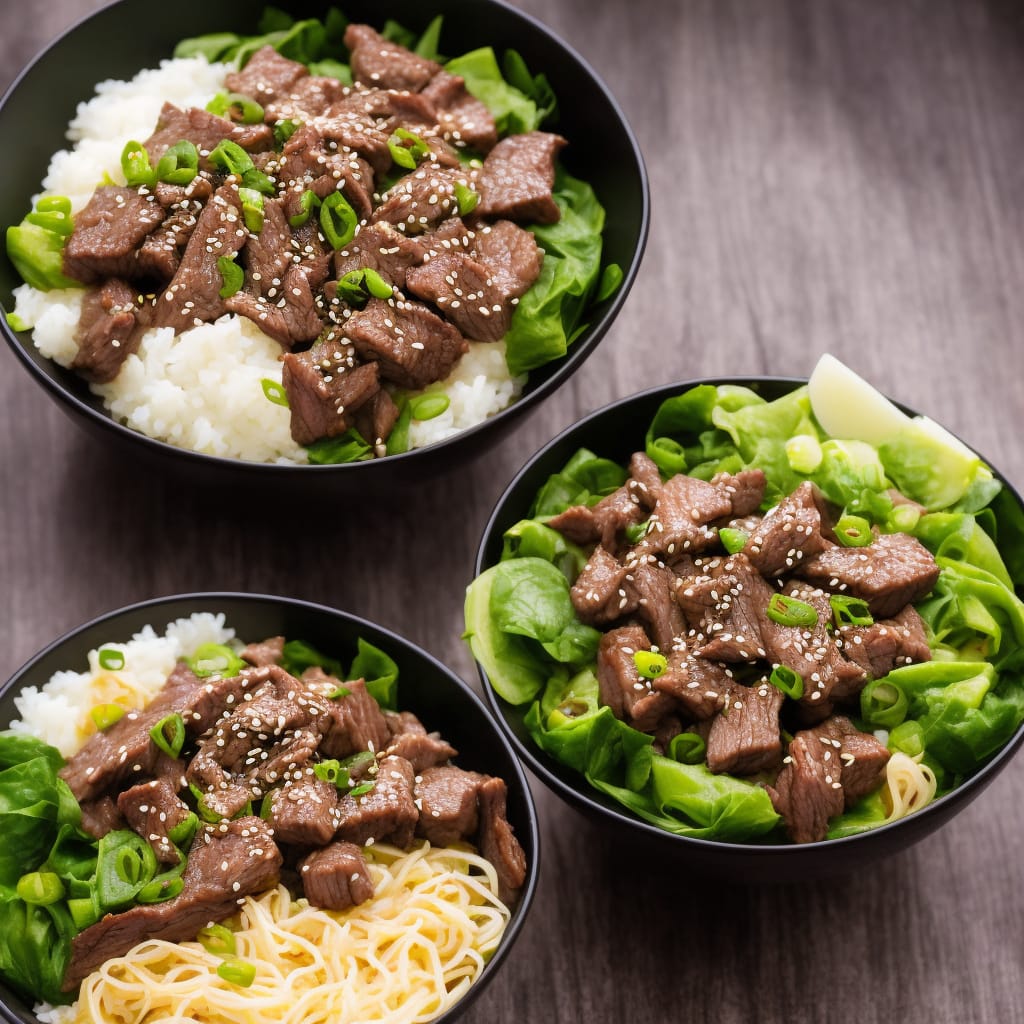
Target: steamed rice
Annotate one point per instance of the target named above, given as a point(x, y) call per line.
point(202, 389)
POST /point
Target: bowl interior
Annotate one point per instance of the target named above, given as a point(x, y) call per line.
point(39, 105)
point(615, 432)
point(441, 700)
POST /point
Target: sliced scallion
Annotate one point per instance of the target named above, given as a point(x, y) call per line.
point(407, 148)
point(850, 611)
point(650, 664)
point(338, 220)
point(883, 704)
point(687, 748)
point(179, 164)
point(237, 972)
point(169, 734)
point(231, 274)
point(466, 198)
point(215, 659)
point(338, 692)
point(40, 888)
point(252, 209)
point(788, 680)
point(308, 201)
point(428, 406)
point(236, 106)
point(110, 658)
point(105, 715)
point(732, 540)
point(274, 392)
point(136, 166)
point(376, 285)
point(853, 531)
point(789, 611)
point(218, 940)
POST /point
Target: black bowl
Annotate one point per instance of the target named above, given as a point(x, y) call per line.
point(602, 150)
point(440, 699)
point(616, 431)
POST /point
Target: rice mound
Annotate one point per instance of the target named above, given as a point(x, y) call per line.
point(202, 389)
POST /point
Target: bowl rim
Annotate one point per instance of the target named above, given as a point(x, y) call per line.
point(562, 368)
point(591, 800)
point(388, 637)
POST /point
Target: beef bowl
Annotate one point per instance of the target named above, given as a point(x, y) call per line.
point(224, 802)
point(320, 243)
point(761, 624)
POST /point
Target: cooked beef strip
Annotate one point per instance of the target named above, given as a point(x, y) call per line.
point(448, 804)
point(421, 750)
point(304, 811)
point(463, 119)
point(698, 686)
point(106, 334)
point(644, 480)
point(268, 254)
point(887, 643)
point(206, 131)
point(159, 256)
point(808, 791)
point(745, 738)
point(745, 489)
point(356, 722)
point(680, 517)
point(863, 758)
point(266, 76)
point(336, 877)
point(894, 570)
point(376, 418)
point(599, 593)
point(311, 161)
point(226, 863)
point(651, 585)
point(422, 199)
point(630, 696)
point(387, 812)
point(290, 317)
point(153, 810)
point(413, 346)
point(517, 178)
point(788, 533)
point(101, 816)
point(266, 652)
point(603, 522)
point(381, 248)
point(377, 62)
point(107, 231)
point(497, 840)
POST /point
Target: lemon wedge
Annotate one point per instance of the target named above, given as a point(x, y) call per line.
point(850, 408)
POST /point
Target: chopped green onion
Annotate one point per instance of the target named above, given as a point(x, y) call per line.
point(284, 130)
point(54, 214)
point(376, 285)
point(252, 209)
point(904, 518)
point(788, 611)
point(883, 704)
point(788, 680)
point(362, 789)
point(429, 406)
point(182, 833)
point(105, 715)
point(83, 912)
point(179, 164)
point(125, 863)
point(338, 692)
point(136, 166)
point(338, 220)
point(635, 531)
point(111, 658)
point(850, 611)
point(687, 748)
point(331, 771)
point(907, 737)
point(204, 811)
point(732, 540)
point(803, 453)
point(650, 664)
point(853, 531)
point(407, 148)
point(161, 889)
point(466, 198)
point(218, 940)
point(40, 888)
point(236, 106)
point(274, 392)
point(16, 323)
point(351, 287)
point(169, 734)
point(307, 202)
point(232, 159)
point(215, 659)
point(237, 972)
point(231, 274)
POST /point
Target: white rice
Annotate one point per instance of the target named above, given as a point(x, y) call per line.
point(57, 712)
point(202, 389)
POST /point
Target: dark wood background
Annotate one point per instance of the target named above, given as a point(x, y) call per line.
point(839, 176)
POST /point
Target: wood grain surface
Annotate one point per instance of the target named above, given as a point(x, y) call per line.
point(826, 176)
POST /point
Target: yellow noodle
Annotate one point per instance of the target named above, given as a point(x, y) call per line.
point(402, 957)
point(909, 786)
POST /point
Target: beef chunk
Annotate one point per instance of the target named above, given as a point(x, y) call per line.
point(887, 644)
point(421, 750)
point(324, 392)
point(630, 696)
point(745, 736)
point(385, 65)
point(413, 346)
point(101, 816)
point(376, 418)
point(894, 570)
point(381, 248)
point(268, 254)
point(266, 652)
point(462, 118)
point(517, 178)
point(387, 812)
point(289, 314)
point(599, 593)
point(603, 522)
point(336, 877)
point(745, 489)
point(698, 686)
point(497, 839)
point(106, 333)
point(651, 585)
point(107, 232)
point(644, 480)
point(159, 256)
point(304, 811)
point(356, 722)
point(808, 791)
point(679, 521)
point(863, 758)
point(226, 862)
point(153, 810)
point(788, 533)
point(448, 804)
point(422, 199)
point(310, 97)
point(266, 76)
point(206, 131)
point(193, 295)
point(311, 161)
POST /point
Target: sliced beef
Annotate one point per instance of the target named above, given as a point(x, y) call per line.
point(159, 256)
point(413, 346)
point(651, 586)
point(226, 862)
point(679, 521)
point(745, 737)
point(863, 757)
point(206, 131)
point(887, 644)
point(788, 533)
point(421, 750)
point(289, 315)
point(644, 480)
point(310, 161)
point(745, 489)
point(193, 295)
point(356, 722)
point(107, 231)
point(698, 686)
point(380, 63)
point(387, 812)
point(381, 248)
point(630, 696)
point(304, 811)
point(894, 570)
point(599, 592)
point(106, 334)
point(336, 877)
point(517, 178)
point(376, 418)
point(448, 804)
point(422, 199)
point(497, 840)
point(603, 522)
point(268, 255)
point(462, 118)
point(808, 791)
point(154, 810)
point(266, 76)
point(266, 652)
point(101, 816)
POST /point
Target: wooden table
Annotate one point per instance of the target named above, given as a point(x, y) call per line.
point(843, 176)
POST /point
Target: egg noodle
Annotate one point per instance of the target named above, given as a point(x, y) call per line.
point(909, 786)
point(405, 955)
